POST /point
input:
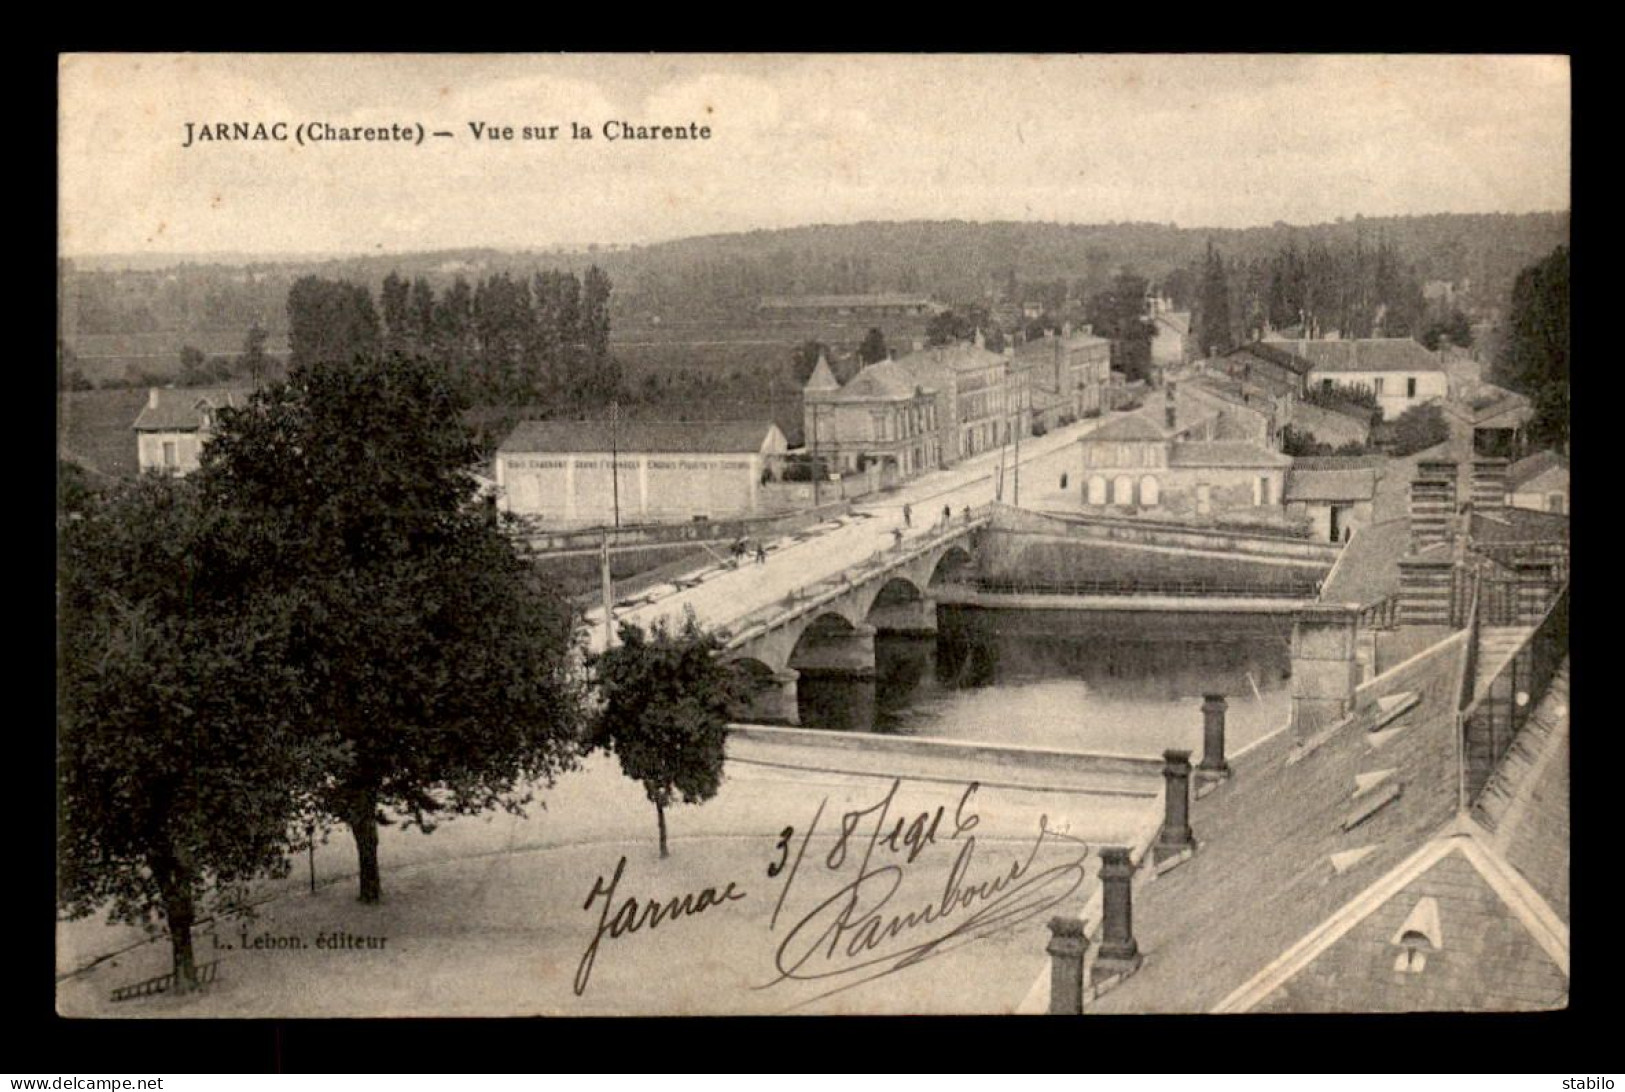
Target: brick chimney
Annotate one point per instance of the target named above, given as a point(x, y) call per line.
point(1213, 709)
point(1068, 942)
point(1433, 503)
point(1119, 952)
point(152, 397)
point(1176, 837)
point(1489, 484)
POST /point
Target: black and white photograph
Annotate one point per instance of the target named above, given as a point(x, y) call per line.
point(887, 534)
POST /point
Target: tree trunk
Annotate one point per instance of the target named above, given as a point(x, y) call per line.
point(660, 814)
point(179, 916)
point(363, 823)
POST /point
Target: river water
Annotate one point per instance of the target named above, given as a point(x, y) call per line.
point(1103, 682)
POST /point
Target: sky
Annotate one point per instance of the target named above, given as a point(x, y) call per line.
point(1201, 141)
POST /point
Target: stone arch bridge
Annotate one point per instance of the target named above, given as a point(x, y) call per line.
point(829, 626)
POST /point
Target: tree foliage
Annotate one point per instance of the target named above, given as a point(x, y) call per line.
point(666, 697)
point(872, 349)
point(1419, 428)
point(427, 643)
point(1534, 355)
point(182, 771)
point(1212, 320)
point(1118, 312)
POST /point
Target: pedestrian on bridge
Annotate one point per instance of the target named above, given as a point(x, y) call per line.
point(967, 513)
point(897, 537)
point(908, 516)
point(761, 554)
point(947, 514)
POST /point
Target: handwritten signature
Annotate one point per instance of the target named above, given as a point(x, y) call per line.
point(856, 933)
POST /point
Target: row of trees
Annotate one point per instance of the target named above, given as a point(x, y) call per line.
point(1353, 291)
point(1534, 356)
point(506, 340)
point(326, 625)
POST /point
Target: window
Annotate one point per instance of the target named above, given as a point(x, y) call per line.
point(1410, 386)
point(1150, 493)
point(1326, 386)
point(169, 454)
point(1376, 386)
point(1123, 490)
point(1264, 497)
point(1554, 503)
point(1204, 499)
point(1097, 490)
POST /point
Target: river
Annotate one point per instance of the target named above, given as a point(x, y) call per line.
point(1103, 682)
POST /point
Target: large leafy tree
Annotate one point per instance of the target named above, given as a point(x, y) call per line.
point(330, 321)
point(1118, 313)
point(181, 767)
point(1534, 355)
point(666, 697)
point(426, 641)
point(1213, 332)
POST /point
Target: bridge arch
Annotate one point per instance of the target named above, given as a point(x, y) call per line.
point(954, 562)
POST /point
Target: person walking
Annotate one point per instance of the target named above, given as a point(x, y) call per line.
point(761, 554)
point(897, 537)
point(967, 513)
point(947, 514)
point(908, 516)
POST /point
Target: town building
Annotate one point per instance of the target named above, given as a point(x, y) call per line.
point(1068, 372)
point(1540, 483)
point(175, 424)
point(885, 414)
point(1334, 495)
point(930, 408)
point(1137, 464)
point(590, 473)
point(1171, 344)
point(1397, 370)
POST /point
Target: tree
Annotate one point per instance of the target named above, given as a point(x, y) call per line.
point(1419, 428)
point(432, 648)
point(254, 362)
point(666, 698)
point(1534, 357)
point(329, 320)
point(180, 774)
point(872, 350)
point(1118, 313)
point(1213, 334)
point(804, 358)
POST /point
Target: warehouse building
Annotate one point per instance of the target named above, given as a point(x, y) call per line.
point(590, 473)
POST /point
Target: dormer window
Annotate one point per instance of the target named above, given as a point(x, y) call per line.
point(1418, 937)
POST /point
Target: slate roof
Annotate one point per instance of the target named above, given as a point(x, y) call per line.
point(1528, 469)
point(1484, 402)
point(179, 409)
point(1274, 353)
point(1505, 525)
point(1177, 321)
point(885, 379)
point(1134, 426)
point(821, 379)
point(1330, 485)
point(1224, 453)
point(1368, 568)
point(1339, 462)
point(1263, 878)
point(1371, 354)
point(962, 356)
point(640, 436)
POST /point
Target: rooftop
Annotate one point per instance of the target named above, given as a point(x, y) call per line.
point(1353, 484)
point(1532, 467)
point(1134, 426)
point(675, 437)
point(1277, 852)
point(1223, 453)
point(180, 409)
point(1273, 353)
point(1370, 354)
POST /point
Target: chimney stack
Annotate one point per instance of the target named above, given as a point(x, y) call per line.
point(152, 397)
point(1213, 708)
point(1119, 952)
point(1067, 944)
point(979, 340)
point(1489, 484)
point(1433, 503)
point(1176, 837)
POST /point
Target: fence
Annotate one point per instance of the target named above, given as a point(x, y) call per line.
point(165, 982)
point(1494, 712)
point(1168, 588)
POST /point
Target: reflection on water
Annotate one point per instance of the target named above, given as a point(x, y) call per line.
point(1116, 683)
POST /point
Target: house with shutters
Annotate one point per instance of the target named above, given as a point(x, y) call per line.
point(1137, 464)
point(1399, 371)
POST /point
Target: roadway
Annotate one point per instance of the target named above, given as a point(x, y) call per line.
point(721, 594)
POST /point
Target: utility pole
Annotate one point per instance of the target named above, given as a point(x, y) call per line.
point(615, 458)
point(609, 595)
point(1015, 500)
point(816, 470)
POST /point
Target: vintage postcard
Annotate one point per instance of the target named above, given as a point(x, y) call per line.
point(812, 534)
